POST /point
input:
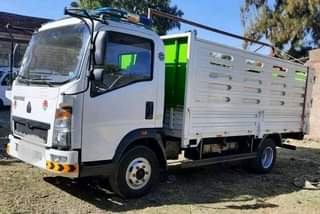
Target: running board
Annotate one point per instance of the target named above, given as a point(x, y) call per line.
point(210, 161)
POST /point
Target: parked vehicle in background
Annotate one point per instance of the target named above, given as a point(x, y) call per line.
point(4, 84)
point(103, 94)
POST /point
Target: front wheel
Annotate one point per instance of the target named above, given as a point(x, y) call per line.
point(136, 174)
point(266, 157)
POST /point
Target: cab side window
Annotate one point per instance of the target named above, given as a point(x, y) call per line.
point(5, 81)
point(128, 59)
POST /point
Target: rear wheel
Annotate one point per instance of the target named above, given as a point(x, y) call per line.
point(136, 174)
point(266, 157)
point(1, 104)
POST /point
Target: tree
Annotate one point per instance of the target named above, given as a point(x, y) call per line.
point(290, 25)
point(161, 25)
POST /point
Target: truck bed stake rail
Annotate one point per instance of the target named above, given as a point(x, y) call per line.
point(152, 12)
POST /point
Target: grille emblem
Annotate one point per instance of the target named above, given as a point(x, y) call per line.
point(29, 107)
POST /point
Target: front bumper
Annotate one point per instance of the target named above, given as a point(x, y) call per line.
point(45, 158)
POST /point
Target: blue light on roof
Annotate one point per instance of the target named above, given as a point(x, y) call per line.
point(118, 14)
point(111, 11)
point(145, 20)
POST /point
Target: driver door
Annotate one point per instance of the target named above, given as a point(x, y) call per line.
point(123, 100)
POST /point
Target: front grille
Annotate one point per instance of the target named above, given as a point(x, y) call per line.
point(25, 127)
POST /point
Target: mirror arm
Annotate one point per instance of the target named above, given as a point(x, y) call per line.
point(90, 77)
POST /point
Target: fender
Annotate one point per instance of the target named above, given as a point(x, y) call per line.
point(135, 136)
point(107, 167)
point(275, 136)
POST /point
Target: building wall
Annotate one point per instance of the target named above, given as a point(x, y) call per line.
point(5, 47)
point(20, 37)
point(314, 129)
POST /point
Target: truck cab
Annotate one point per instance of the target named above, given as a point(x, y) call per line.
point(74, 134)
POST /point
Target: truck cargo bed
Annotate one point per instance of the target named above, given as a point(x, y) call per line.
point(217, 91)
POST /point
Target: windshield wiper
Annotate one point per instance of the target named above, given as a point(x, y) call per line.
point(37, 80)
point(42, 80)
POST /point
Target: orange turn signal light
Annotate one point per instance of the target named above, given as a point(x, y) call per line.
point(62, 168)
point(64, 113)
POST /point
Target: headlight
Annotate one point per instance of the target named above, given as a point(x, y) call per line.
point(62, 128)
point(62, 139)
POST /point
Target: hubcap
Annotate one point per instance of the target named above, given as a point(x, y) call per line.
point(138, 173)
point(267, 157)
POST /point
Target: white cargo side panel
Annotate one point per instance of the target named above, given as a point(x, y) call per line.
point(231, 92)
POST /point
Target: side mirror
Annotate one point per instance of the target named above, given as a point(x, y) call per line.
point(98, 74)
point(100, 43)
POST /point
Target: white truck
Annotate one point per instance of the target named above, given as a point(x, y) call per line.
point(100, 93)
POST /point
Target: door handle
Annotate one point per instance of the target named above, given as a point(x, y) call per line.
point(149, 110)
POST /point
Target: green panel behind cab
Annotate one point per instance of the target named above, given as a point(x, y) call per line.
point(176, 50)
point(127, 60)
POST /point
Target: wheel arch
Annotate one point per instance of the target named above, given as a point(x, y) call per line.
point(151, 138)
point(276, 137)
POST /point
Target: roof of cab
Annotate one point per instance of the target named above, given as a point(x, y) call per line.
point(72, 21)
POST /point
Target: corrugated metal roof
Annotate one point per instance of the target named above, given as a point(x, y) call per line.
point(20, 20)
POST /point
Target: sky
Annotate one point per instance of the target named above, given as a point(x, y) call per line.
point(224, 15)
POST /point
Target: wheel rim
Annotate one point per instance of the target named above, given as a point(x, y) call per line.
point(138, 173)
point(267, 157)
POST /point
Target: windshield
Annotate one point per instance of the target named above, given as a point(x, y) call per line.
point(54, 55)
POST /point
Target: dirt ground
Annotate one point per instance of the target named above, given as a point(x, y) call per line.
point(292, 187)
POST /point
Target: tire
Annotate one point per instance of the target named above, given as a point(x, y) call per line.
point(266, 157)
point(1, 104)
point(136, 174)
